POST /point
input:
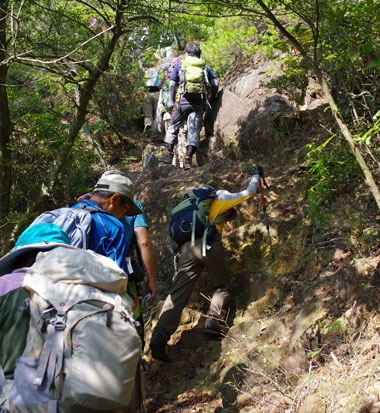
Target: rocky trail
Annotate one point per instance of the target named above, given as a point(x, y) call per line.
point(303, 329)
point(297, 323)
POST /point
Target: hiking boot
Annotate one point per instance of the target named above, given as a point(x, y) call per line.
point(187, 163)
point(168, 158)
point(158, 348)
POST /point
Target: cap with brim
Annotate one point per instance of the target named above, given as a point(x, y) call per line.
point(119, 184)
point(38, 237)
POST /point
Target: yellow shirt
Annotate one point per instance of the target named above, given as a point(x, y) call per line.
point(226, 200)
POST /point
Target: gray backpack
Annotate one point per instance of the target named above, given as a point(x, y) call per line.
point(75, 221)
point(82, 349)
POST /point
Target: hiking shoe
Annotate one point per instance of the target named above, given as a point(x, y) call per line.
point(168, 158)
point(187, 163)
point(158, 348)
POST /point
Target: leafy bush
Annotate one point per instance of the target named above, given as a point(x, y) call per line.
point(332, 167)
point(226, 40)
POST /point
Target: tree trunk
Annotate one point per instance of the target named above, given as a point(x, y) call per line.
point(348, 137)
point(5, 121)
point(86, 93)
point(334, 107)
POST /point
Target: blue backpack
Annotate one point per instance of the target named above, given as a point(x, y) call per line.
point(75, 221)
point(189, 219)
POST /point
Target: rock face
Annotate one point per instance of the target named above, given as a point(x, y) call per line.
point(245, 108)
point(247, 113)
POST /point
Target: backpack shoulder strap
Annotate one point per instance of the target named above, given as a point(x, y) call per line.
point(93, 209)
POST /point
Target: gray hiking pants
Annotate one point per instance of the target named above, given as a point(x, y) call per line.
point(193, 114)
point(150, 107)
point(190, 266)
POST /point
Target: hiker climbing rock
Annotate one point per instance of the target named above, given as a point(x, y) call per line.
point(194, 80)
point(163, 116)
point(196, 224)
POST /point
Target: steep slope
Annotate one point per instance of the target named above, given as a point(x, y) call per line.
point(304, 328)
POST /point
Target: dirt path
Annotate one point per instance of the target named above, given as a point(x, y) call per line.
point(183, 385)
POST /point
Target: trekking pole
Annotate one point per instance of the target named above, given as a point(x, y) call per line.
point(266, 216)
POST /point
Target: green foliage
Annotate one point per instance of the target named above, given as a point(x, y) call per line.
point(336, 325)
point(188, 28)
point(119, 95)
point(331, 168)
point(78, 176)
point(227, 39)
point(372, 135)
point(344, 41)
point(293, 82)
point(312, 354)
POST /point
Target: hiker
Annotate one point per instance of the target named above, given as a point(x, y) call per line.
point(113, 195)
point(191, 260)
point(164, 107)
point(140, 256)
point(14, 311)
point(163, 116)
point(180, 147)
point(166, 46)
point(77, 310)
point(137, 239)
point(153, 80)
point(140, 259)
point(193, 78)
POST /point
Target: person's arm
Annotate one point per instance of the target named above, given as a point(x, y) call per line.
point(174, 79)
point(147, 257)
point(226, 200)
point(213, 83)
point(172, 90)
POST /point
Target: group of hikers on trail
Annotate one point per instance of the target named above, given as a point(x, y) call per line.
point(177, 96)
point(72, 331)
point(74, 286)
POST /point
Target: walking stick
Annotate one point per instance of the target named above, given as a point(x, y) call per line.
point(266, 216)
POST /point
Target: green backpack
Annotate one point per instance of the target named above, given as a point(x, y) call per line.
point(193, 78)
point(189, 219)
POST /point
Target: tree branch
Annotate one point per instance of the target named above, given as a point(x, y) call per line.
point(19, 58)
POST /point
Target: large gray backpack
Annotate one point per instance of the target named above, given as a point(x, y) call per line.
point(82, 349)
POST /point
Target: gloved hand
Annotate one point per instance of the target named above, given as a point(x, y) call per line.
point(256, 169)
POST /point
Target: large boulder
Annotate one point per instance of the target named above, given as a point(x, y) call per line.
point(247, 113)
